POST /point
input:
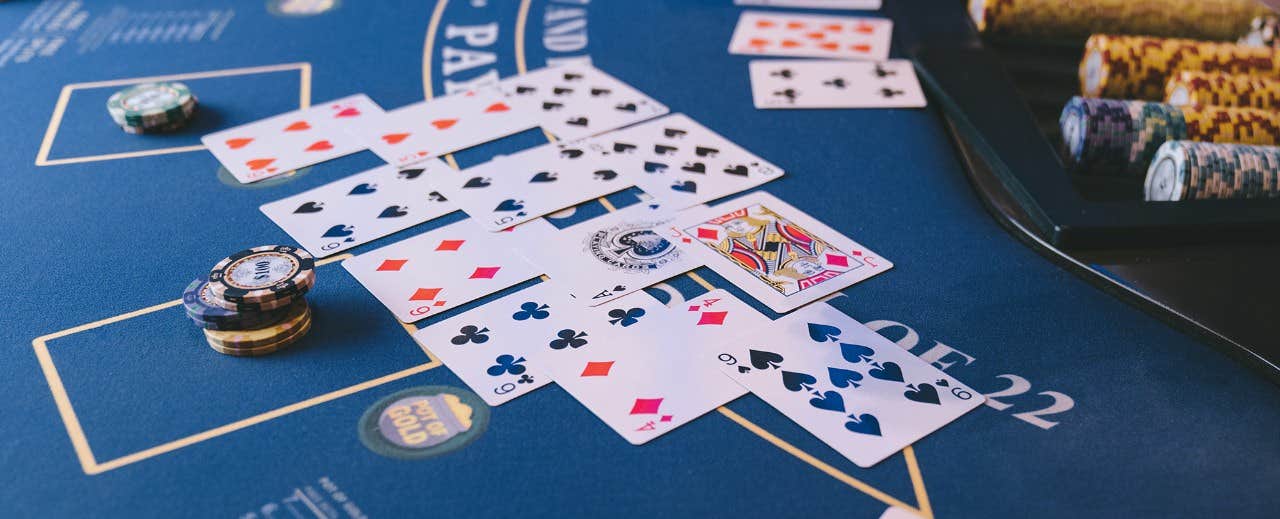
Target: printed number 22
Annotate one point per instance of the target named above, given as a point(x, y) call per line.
point(1018, 386)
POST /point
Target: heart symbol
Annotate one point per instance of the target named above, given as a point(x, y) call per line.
point(544, 176)
point(862, 47)
point(757, 42)
point(444, 124)
point(577, 121)
point(394, 211)
point(363, 189)
point(605, 175)
point(238, 143)
point(764, 359)
point(654, 167)
point(830, 45)
point(297, 127)
point(843, 377)
point(510, 205)
point(797, 381)
point(887, 371)
point(395, 138)
point(865, 28)
point(687, 186)
point(257, 164)
point(309, 207)
point(863, 424)
point(823, 332)
point(828, 401)
point(347, 112)
point(497, 107)
point(339, 231)
point(764, 24)
point(320, 146)
point(695, 167)
point(795, 25)
point(738, 170)
point(855, 353)
point(816, 35)
point(477, 182)
point(924, 393)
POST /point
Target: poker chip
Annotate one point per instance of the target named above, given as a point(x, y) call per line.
point(1074, 20)
point(1262, 32)
point(283, 342)
point(261, 277)
point(1139, 67)
point(201, 307)
point(1199, 88)
point(1186, 170)
point(261, 339)
point(152, 107)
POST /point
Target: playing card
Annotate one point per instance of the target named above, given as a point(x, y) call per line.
point(573, 101)
point(488, 347)
point(855, 390)
point(778, 254)
point(443, 125)
point(682, 163)
point(607, 257)
point(440, 269)
point(815, 4)
point(642, 387)
point(358, 209)
point(835, 84)
point(516, 188)
point(286, 142)
point(818, 36)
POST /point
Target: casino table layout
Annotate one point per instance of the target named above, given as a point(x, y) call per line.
point(115, 406)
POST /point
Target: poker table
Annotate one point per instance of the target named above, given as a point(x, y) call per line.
point(114, 406)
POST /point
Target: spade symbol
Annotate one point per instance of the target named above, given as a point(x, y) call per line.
point(605, 175)
point(394, 211)
point(622, 147)
point(881, 72)
point(522, 89)
point(597, 92)
point(738, 170)
point(764, 359)
point(570, 153)
point(577, 121)
point(672, 133)
point(654, 167)
point(410, 174)
point(561, 91)
point(626, 107)
point(477, 182)
point(309, 207)
point(687, 186)
point(703, 151)
point(547, 106)
point(695, 167)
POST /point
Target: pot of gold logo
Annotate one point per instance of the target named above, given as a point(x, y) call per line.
point(424, 422)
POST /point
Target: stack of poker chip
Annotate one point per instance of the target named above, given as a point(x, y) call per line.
point(253, 302)
point(1075, 20)
point(1219, 89)
point(1262, 32)
point(1184, 170)
point(1139, 67)
point(1118, 138)
point(152, 107)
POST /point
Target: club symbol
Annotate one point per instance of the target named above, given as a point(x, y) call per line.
point(525, 379)
point(531, 310)
point(568, 338)
point(471, 333)
point(506, 364)
point(789, 93)
point(835, 82)
point(882, 72)
point(890, 93)
point(626, 317)
point(784, 73)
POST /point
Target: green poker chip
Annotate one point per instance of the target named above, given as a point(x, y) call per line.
point(423, 422)
point(152, 105)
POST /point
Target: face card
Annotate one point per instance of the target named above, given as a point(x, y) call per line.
point(855, 390)
point(358, 209)
point(276, 145)
point(488, 347)
point(870, 5)
point(436, 127)
point(649, 374)
point(440, 269)
point(574, 101)
point(773, 251)
point(816, 36)
point(682, 163)
point(835, 84)
point(516, 188)
point(608, 257)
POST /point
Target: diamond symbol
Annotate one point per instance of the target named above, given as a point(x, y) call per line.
point(440, 303)
point(392, 265)
point(708, 234)
point(686, 240)
point(597, 369)
point(665, 418)
point(857, 253)
point(646, 406)
point(424, 294)
point(485, 272)
point(694, 308)
point(712, 318)
point(450, 244)
point(838, 260)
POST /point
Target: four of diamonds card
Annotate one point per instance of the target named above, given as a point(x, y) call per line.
point(590, 327)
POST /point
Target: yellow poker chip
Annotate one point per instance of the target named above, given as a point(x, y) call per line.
point(265, 349)
point(298, 317)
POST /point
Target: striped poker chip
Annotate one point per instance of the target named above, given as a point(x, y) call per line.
point(1139, 67)
point(1199, 88)
point(299, 316)
point(1186, 170)
point(257, 351)
point(262, 275)
point(1071, 21)
point(202, 308)
point(152, 105)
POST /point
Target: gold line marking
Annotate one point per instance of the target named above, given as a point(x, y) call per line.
point(54, 122)
point(815, 462)
point(917, 481)
point(428, 47)
point(522, 18)
point(195, 75)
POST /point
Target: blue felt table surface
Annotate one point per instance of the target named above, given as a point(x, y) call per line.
point(1160, 423)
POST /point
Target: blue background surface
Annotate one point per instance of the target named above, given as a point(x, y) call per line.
point(1161, 424)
